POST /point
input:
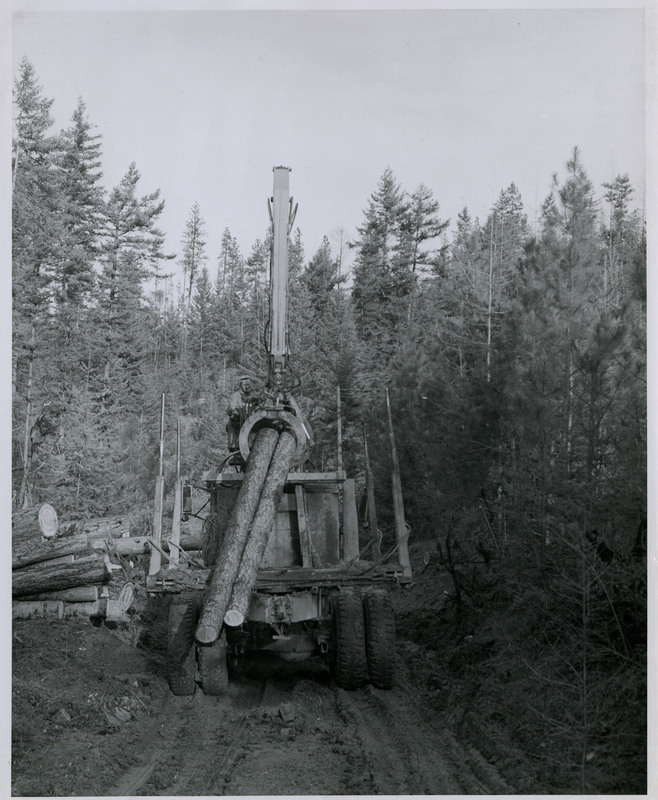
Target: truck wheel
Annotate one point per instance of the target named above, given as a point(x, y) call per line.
point(351, 665)
point(212, 666)
point(380, 639)
point(181, 661)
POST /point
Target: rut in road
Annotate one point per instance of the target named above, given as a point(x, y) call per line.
point(406, 755)
point(303, 736)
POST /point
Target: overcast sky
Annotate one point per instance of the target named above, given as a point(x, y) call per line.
point(466, 102)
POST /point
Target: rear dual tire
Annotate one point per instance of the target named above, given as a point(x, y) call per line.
point(364, 640)
point(213, 669)
point(181, 657)
point(182, 651)
point(351, 662)
point(380, 639)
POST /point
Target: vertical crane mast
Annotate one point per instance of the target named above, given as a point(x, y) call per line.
point(282, 216)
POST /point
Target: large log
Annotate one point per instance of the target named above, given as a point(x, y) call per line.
point(26, 553)
point(260, 529)
point(35, 609)
point(237, 530)
point(116, 526)
point(45, 577)
point(34, 524)
point(80, 594)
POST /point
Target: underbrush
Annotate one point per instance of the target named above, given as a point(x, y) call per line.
point(542, 669)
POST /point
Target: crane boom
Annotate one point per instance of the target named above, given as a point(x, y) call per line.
point(282, 216)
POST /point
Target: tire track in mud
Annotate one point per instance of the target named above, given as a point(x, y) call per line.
point(305, 737)
point(402, 753)
point(199, 758)
point(305, 752)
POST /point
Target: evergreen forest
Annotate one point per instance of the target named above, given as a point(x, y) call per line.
point(514, 356)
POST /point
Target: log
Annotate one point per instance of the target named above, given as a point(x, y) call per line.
point(228, 561)
point(36, 609)
point(260, 530)
point(126, 596)
point(34, 524)
point(115, 612)
point(44, 577)
point(117, 527)
point(81, 594)
point(96, 609)
point(26, 553)
point(110, 610)
point(67, 559)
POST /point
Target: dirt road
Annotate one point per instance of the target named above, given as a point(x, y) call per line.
point(93, 715)
point(301, 735)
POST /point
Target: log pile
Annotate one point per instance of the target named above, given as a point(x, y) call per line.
point(70, 568)
point(234, 573)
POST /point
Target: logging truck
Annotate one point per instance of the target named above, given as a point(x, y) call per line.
point(281, 572)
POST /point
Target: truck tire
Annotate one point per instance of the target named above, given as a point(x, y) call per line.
point(213, 669)
point(380, 639)
point(181, 650)
point(351, 663)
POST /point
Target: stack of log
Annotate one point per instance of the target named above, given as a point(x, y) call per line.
point(68, 568)
point(245, 540)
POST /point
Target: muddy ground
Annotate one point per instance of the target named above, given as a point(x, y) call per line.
point(92, 715)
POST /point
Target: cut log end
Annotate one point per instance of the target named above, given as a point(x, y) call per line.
point(207, 634)
point(233, 618)
point(48, 520)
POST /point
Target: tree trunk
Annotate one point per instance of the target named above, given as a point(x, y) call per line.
point(228, 562)
point(29, 552)
point(81, 594)
point(34, 551)
point(35, 609)
point(96, 609)
point(118, 527)
point(44, 577)
point(24, 492)
point(260, 529)
point(34, 524)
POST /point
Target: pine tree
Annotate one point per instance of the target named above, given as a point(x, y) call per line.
point(231, 293)
point(321, 276)
point(203, 322)
point(383, 275)
point(423, 226)
point(79, 166)
point(194, 256)
point(37, 239)
point(37, 232)
point(623, 238)
point(131, 252)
